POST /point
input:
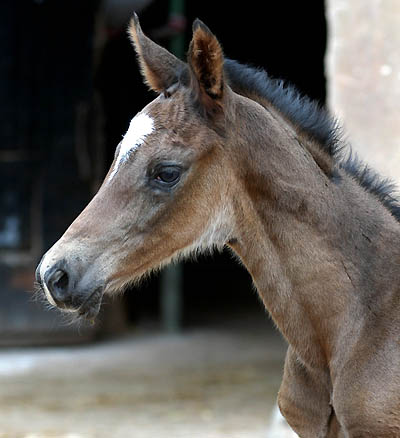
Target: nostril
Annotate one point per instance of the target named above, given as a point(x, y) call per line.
point(60, 280)
point(57, 284)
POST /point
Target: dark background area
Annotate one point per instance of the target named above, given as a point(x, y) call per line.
point(69, 87)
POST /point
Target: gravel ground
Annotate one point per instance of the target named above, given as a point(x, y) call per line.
point(213, 382)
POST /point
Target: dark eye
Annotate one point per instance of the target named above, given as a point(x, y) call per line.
point(167, 176)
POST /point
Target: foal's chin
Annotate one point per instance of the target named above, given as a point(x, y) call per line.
point(90, 307)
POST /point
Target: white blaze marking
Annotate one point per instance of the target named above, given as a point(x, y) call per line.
point(140, 127)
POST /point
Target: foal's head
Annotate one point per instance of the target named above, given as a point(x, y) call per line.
point(169, 190)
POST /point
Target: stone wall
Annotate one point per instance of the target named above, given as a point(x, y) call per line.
point(363, 71)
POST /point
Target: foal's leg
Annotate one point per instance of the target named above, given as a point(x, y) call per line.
point(304, 401)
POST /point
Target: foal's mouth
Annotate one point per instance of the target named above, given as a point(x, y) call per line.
point(85, 307)
point(60, 290)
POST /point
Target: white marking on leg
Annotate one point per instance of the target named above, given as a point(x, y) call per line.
point(140, 127)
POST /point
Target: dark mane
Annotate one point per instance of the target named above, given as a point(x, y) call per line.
point(316, 122)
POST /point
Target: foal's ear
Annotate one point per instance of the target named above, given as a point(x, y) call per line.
point(160, 68)
point(206, 62)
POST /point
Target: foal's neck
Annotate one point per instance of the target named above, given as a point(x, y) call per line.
point(294, 238)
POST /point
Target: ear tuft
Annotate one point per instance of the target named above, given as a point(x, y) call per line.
point(135, 34)
point(206, 60)
point(134, 30)
point(197, 23)
point(160, 68)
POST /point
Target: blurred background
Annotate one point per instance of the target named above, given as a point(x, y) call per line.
point(191, 352)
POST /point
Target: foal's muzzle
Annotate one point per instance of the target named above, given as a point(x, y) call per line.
point(64, 290)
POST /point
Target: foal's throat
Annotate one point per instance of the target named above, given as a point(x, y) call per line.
point(297, 291)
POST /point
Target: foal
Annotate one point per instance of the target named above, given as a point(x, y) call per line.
point(225, 156)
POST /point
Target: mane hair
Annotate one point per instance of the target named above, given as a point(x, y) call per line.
point(316, 122)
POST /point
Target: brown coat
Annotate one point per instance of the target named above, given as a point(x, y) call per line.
point(218, 161)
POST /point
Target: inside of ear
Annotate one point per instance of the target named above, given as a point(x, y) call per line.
point(206, 61)
point(160, 68)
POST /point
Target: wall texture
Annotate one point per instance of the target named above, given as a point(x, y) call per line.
point(363, 71)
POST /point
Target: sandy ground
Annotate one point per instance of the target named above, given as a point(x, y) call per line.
point(214, 382)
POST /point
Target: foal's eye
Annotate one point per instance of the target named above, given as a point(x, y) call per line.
point(167, 176)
